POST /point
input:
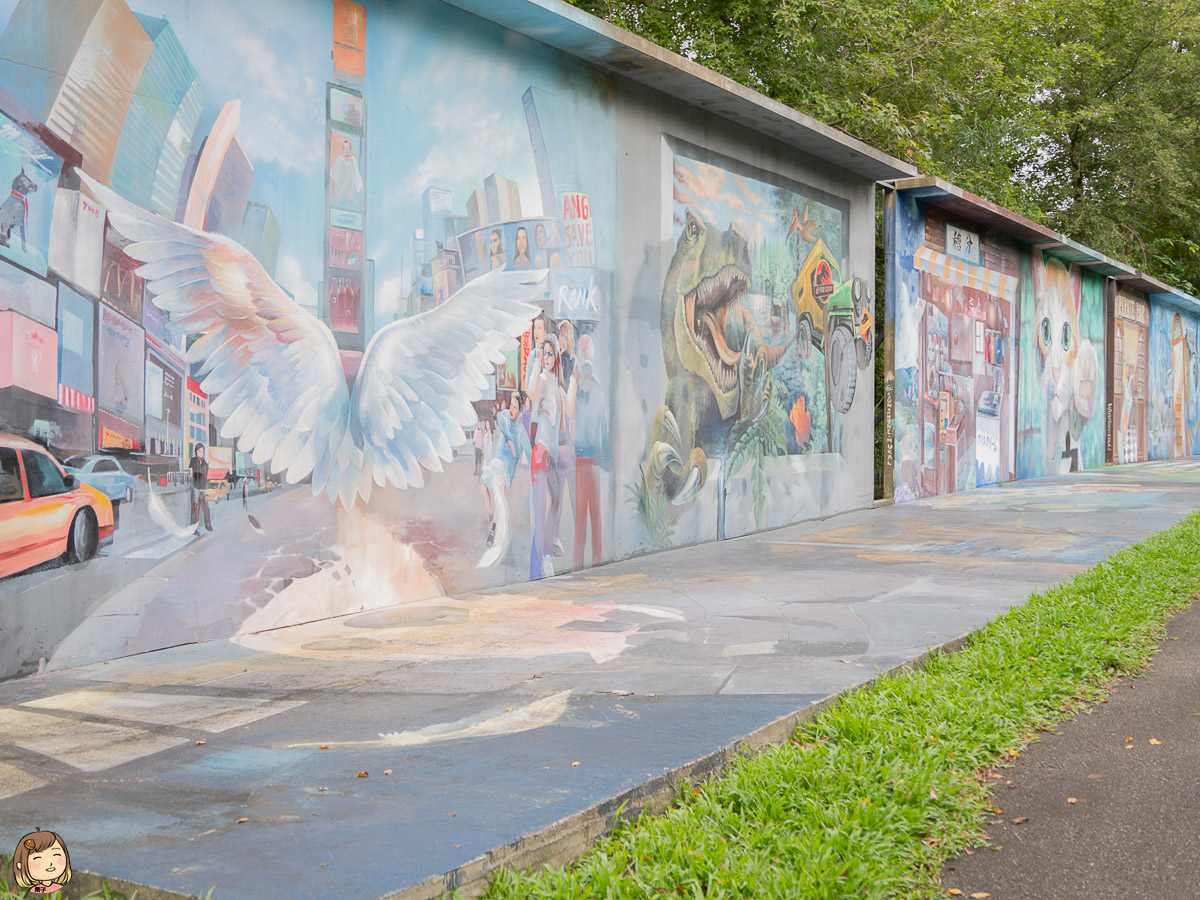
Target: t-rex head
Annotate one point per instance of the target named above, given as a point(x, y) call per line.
point(708, 275)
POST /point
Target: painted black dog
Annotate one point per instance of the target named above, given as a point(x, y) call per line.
point(15, 209)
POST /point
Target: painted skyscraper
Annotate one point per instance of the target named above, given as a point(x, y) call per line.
point(77, 64)
point(344, 303)
point(553, 151)
point(161, 124)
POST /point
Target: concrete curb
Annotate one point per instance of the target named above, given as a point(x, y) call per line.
point(568, 839)
point(83, 883)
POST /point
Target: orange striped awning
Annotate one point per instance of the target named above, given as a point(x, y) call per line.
point(959, 272)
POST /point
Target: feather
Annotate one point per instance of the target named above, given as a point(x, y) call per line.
point(162, 518)
point(273, 372)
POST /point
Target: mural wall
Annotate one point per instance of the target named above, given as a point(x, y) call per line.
point(956, 297)
point(1174, 428)
point(1060, 427)
point(1129, 414)
point(316, 307)
point(279, 345)
point(761, 355)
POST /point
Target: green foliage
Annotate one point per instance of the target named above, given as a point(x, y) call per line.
point(871, 798)
point(11, 891)
point(753, 438)
point(654, 512)
point(1081, 114)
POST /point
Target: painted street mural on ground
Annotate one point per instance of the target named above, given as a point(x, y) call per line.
point(467, 714)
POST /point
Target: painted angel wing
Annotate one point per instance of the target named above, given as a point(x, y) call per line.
point(270, 368)
point(420, 375)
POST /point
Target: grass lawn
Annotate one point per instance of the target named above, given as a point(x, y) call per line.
point(871, 798)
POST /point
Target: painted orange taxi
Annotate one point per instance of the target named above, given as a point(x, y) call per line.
point(45, 513)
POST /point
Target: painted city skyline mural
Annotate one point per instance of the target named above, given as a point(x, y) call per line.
point(269, 274)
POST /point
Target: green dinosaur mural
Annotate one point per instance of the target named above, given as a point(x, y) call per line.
point(758, 277)
point(711, 346)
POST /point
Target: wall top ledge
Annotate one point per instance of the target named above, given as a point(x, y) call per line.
point(955, 200)
point(564, 27)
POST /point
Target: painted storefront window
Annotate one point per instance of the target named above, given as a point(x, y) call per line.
point(955, 357)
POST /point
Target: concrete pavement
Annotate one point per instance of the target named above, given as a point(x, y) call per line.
point(469, 713)
point(1108, 806)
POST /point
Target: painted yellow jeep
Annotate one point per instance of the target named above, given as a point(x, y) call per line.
point(832, 315)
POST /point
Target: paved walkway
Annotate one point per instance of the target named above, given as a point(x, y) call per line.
point(485, 719)
point(1108, 807)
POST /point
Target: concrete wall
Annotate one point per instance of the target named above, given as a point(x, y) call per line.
point(779, 433)
point(375, 216)
point(999, 356)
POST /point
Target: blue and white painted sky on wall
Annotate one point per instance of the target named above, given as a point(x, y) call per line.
point(435, 116)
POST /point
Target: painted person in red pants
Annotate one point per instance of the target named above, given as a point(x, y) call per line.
point(586, 403)
point(545, 494)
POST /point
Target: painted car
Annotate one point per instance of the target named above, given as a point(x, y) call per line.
point(834, 317)
point(218, 489)
point(105, 474)
point(45, 512)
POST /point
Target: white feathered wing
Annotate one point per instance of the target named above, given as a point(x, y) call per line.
point(273, 373)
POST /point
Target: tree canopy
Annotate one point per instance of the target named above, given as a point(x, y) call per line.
point(1081, 114)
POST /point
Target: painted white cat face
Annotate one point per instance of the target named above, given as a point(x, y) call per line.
point(1056, 320)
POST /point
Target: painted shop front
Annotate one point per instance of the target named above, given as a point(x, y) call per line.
point(1016, 353)
point(574, 299)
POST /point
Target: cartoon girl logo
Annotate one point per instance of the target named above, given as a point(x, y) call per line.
point(40, 863)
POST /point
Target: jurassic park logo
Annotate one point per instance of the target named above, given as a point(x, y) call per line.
point(822, 282)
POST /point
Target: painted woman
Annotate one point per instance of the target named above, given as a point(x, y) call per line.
point(511, 449)
point(545, 498)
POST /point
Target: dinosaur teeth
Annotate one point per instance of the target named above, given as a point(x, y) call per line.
point(728, 355)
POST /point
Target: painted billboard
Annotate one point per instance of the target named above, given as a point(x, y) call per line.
point(121, 347)
point(30, 170)
point(28, 355)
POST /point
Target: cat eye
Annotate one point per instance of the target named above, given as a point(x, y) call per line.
point(1066, 335)
point(1046, 332)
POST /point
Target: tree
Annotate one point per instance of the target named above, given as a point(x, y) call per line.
point(1111, 147)
point(1077, 113)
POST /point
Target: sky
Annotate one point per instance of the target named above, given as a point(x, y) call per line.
point(723, 197)
point(444, 108)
